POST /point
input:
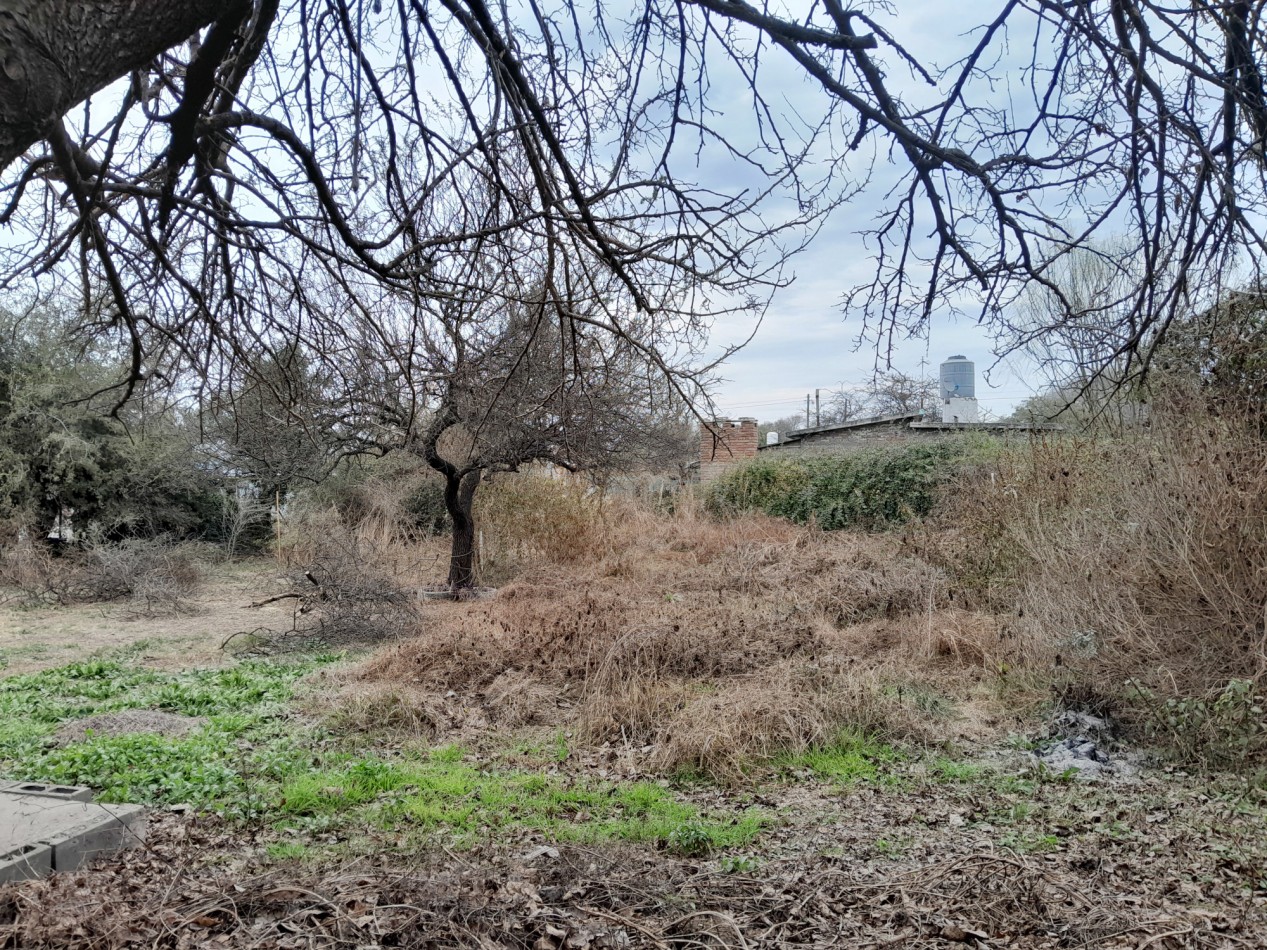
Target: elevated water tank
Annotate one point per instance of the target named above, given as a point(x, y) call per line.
point(958, 378)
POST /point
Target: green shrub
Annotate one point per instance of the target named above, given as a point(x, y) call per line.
point(1226, 729)
point(871, 489)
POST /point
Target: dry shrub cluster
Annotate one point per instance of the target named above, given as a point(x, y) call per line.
point(350, 581)
point(22, 562)
point(1134, 563)
point(1139, 557)
point(155, 576)
point(372, 526)
point(719, 644)
point(525, 520)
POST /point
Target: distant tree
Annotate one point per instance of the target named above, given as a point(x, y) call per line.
point(1077, 329)
point(895, 393)
point(844, 405)
point(273, 426)
point(782, 426)
point(886, 394)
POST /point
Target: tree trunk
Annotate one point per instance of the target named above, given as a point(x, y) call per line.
point(56, 53)
point(459, 498)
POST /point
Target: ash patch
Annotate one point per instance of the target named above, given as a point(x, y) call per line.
point(1082, 747)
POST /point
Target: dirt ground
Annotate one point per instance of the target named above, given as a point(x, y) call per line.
point(41, 637)
point(1134, 866)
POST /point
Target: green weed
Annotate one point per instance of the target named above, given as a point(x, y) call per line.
point(288, 850)
point(891, 847)
point(247, 739)
point(250, 760)
point(1031, 843)
point(465, 803)
point(740, 864)
point(950, 771)
point(851, 757)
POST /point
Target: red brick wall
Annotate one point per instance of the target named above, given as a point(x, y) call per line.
point(724, 443)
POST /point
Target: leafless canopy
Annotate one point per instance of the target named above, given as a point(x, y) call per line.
point(301, 167)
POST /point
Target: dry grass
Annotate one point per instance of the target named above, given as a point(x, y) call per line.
point(413, 713)
point(524, 521)
point(1138, 558)
point(41, 636)
point(719, 644)
point(407, 560)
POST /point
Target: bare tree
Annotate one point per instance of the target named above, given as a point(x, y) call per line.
point(844, 405)
point(1081, 343)
point(299, 142)
point(895, 393)
point(533, 383)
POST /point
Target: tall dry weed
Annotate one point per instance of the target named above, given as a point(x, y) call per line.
point(1139, 557)
point(1159, 570)
point(524, 520)
point(717, 643)
point(372, 534)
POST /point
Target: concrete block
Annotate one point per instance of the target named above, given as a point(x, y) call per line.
point(67, 793)
point(109, 828)
point(26, 862)
point(76, 832)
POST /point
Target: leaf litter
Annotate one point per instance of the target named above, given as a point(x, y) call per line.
point(823, 878)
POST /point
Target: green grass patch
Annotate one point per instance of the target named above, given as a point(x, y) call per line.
point(852, 757)
point(252, 760)
point(955, 772)
point(464, 804)
point(1032, 842)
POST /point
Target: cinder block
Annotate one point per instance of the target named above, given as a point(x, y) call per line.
point(26, 862)
point(100, 829)
point(66, 793)
point(74, 832)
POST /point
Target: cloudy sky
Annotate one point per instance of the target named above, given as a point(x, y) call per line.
point(807, 339)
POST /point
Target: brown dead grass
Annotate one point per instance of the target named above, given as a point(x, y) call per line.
point(126, 722)
point(1139, 557)
point(718, 644)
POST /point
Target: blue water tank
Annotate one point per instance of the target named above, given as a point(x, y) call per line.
point(958, 378)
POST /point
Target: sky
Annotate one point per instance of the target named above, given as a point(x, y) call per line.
point(807, 341)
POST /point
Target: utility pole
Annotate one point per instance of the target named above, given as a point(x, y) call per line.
point(807, 410)
point(818, 408)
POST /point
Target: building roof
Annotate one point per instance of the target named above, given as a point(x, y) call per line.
point(796, 434)
point(920, 421)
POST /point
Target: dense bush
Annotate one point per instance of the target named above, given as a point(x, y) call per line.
point(872, 489)
point(529, 519)
point(137, 473)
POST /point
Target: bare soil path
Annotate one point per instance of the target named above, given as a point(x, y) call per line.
point(41, 637)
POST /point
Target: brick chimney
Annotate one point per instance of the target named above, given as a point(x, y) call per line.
point(723, 443)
